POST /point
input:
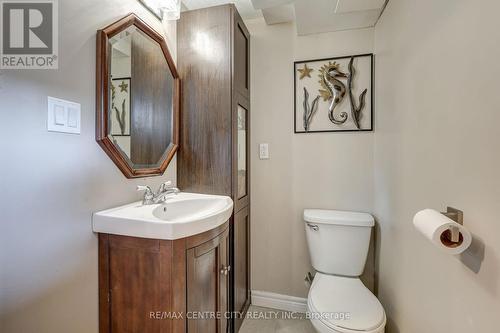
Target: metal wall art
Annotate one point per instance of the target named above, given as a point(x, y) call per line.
point(341, 90)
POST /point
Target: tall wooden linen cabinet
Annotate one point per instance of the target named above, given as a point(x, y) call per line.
point(213, 52)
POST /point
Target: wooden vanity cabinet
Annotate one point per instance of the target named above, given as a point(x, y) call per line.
point(163, 286)
point(213, 61)
point(207, 284)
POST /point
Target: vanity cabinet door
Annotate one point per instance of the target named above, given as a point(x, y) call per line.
point(135, 275)
point(241, 264)
point(207, 285)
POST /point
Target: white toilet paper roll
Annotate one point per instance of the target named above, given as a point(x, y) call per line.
point(437, 228)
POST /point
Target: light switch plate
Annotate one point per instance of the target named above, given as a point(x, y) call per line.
point(264, 151)
point(59, 115)
point(63, 116)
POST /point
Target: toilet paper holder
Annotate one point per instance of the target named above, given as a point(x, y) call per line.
point(458, 216)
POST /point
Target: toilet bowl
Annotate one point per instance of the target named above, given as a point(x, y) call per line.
point(343, 304)
point(338, 302)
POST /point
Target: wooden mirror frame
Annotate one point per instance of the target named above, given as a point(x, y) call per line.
point(103, 53)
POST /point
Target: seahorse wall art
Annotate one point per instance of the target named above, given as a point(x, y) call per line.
point(334, 89)
point(337, 97)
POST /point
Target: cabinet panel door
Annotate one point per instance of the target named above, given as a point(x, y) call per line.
point(241, 263)
point(241, 56)
point(138, 274)
point(207, 286)
point(223, 291)
point(204, 162)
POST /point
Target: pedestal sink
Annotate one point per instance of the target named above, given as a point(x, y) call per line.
point(181, 215)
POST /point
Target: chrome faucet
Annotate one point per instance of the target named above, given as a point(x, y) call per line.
point(164, 191)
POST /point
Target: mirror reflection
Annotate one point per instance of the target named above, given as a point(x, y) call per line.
point(242, 152)
point(141, 93)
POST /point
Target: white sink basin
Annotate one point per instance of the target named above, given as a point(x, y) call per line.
point(182, 215)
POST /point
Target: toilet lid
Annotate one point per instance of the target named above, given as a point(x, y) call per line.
point(344, 302)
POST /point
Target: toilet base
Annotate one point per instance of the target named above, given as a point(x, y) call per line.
point(321, 327)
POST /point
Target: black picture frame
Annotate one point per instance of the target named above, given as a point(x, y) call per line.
point(372, 99)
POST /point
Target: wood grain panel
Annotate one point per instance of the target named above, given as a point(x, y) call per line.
point(202, 286)
point(224, 284)
point(179, 284)
point(104, 295)
point(241, 57)
point(213, 60)
point(204, 63)
point(206, 287)
point(138, 276)
point(135, 287)
point(199, 239)
point(241, 264)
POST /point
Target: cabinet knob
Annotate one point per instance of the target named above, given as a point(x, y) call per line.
point(225, 270)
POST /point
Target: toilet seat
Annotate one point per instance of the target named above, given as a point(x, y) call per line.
point(344, 304)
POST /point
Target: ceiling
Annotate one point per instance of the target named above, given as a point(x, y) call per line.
point(245, 7)
point(310, 16)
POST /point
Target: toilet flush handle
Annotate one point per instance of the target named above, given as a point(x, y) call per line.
point(313, 226)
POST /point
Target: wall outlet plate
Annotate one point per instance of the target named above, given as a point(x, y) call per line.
point(63, 116)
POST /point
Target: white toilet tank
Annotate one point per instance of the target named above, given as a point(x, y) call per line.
point(338, 241)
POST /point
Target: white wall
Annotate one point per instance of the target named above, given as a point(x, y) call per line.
point(322, 170)
point(436, 144)
point(52, 182)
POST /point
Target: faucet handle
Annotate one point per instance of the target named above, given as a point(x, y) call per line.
point(148, 194)
point(166, 185)
point(144, 188)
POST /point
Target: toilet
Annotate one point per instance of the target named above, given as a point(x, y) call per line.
point(338, 302)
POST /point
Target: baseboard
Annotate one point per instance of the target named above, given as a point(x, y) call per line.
point(279, 302)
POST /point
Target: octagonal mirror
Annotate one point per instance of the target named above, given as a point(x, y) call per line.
point(137, 98)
